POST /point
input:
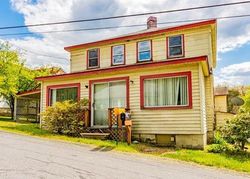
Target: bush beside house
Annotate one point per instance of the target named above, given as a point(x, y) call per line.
point(65, 117)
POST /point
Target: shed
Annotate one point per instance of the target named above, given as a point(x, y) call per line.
point(27, 105)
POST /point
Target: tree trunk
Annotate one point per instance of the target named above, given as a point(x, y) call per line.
point(12, 104)
point(242, 145)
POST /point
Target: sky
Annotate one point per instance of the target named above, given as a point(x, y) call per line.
point(233, 38)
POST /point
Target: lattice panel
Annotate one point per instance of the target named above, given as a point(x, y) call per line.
point(113, 118)
point(120, 135)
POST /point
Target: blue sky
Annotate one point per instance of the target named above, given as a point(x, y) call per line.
point(233, 66)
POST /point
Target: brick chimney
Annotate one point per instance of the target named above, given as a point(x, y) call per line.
point(151, 22)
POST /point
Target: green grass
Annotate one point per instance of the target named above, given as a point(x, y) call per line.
point(234, 162)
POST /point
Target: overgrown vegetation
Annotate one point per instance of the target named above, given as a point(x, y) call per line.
point(237, 130)
point(232, 93)
point(65, 117)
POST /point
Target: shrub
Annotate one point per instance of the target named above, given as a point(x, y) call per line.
point(217, 148)
point(65, 117)
point(237, 130)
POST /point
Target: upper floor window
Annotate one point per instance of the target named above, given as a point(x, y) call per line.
point(93, 58)
point(118, 55)
point(144, 51)
point(175, 46)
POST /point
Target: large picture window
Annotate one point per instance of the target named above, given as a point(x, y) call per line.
point(144, 51)
point(118, 56)
point(166, 91)
point(93, 58)
point(60, 93)
point(175, 46)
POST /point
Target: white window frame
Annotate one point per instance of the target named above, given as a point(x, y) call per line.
point(98, 56)
point(182, 46)
point(113, 55)
point(167, 106)
point(138, 51)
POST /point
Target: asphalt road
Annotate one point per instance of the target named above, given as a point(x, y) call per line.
point(23, 157)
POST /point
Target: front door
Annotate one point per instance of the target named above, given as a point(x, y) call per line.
point(107, 95)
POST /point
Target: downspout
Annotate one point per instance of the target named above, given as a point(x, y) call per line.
point(15, 108)
point(41, 104)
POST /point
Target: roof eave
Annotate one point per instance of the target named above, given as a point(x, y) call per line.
point(130, 37)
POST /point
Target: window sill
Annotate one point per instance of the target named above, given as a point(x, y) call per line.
point(173, 57)
point(166, 107)
point(144, 61)
point(90, 68)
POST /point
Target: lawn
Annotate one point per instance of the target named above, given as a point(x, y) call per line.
point(234, 162)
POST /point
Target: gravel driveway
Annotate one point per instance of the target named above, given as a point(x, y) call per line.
point(24, 157)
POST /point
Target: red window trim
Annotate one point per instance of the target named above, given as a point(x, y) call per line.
point(183, 47)
point(87, 58)
point(109, 80)
point(141, 35)
point(126, 67)
point(78, 85)
point(124, 52)
point(137, 51)
point(177, 74)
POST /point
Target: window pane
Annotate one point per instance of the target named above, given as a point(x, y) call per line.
point(144, 56)
point(93, 62)
point(60, 95)
point(93, 53)
point(165, 92)
point(117, 94)
point(101, 104)
point(173, 41)
point(118, 50)
point(118, 59)
point(173, 51)
point(144, 46)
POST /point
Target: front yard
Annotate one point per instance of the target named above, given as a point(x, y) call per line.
point(234, 162)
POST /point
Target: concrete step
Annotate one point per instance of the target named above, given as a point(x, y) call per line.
point(101, 136)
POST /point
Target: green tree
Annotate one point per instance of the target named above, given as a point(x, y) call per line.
point(14, 76)
point(237, 130)
point(246, 98)
point(230, 106)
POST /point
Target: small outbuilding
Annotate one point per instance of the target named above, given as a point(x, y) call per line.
point(221, 112)
point(27, 106)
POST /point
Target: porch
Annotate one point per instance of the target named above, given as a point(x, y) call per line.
point(27, 106)
point(116, 129)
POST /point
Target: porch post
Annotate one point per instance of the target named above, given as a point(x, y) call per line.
point(15, 109)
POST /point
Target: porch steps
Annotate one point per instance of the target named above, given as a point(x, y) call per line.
point(101, 136)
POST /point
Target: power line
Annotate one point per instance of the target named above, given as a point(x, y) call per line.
point(38, 54)
point(125, 26)
point(126, 16)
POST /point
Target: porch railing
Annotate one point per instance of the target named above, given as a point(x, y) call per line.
point(116, 132)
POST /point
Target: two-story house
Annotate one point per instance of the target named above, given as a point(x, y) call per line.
point(163, 75)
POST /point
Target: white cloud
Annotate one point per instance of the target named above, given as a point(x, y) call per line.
point(232, 33)
point(235, 74)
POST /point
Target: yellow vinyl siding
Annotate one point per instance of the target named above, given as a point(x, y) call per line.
point(181, 121)
point(197, 42)
point(209, 102)
point(222, 117)
point(202, 100)
point(221, 103)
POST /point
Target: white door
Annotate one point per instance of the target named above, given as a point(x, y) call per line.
point(107, 95)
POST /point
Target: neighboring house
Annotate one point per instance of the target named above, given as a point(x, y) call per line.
point(163, 75)
point(221, 112)
point(4, 108)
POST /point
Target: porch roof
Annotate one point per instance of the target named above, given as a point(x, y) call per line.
point(203, 59)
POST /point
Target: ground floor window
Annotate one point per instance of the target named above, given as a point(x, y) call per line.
point(62, 93)
point(165, 91)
